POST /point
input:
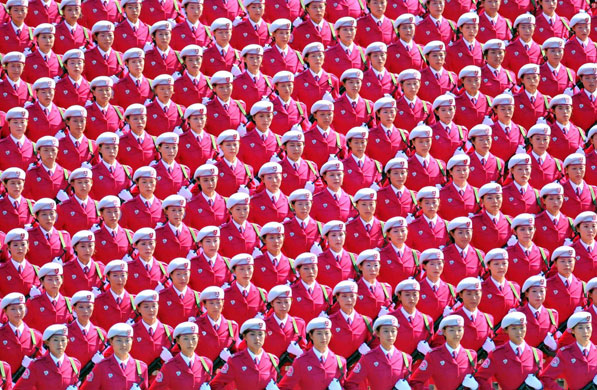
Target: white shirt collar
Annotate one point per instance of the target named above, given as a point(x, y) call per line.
point(178, 292)
point(564, 280)
point(56, 360)
point(453, 351)
point(85, 328)
point(308, 286)
point(243, 289)
point(421, 159)
point(514, 347)
point(320, 355)
point(152, 327)
point(175, 229)
point(121, 296)
point(347, 317)
point(122, 362)
point(533, 310)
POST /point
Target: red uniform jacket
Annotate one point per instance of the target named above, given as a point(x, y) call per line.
point(469, 114)
point(290, 10)
point(187, 91)
point(136, 214)
point(194, 151)
point(213, 60)
point(288, 115)
point(264, 210)
point(312, 90)
point(183, 35)
point(591, 168)
point(177, 309)
point(244, 87)
point(564, 299)
point(402, 58)
point(434, 302)
point(458, 268)
point(84, 346)
point(266, 275)
point(504, 144)
point(170, 180)
point(243, 33)
point(344, 8)
point(499, 302)
point(157, 65)
point(12, 41)
point(586, 263)
point(235, 242)
point(108, 374)
point(398, 7)
point(140, 278)
point(384, 145)
point(125, 37)
point(199, 213)
point(563, 144)
point(12, 281)
point(14, 98)
point(39, 13)
point(109, 247)
point(318, 377)
point(576, 203)
point(494, 30)
point(409, 117)
point(491, 170)
point(97, 65)
point(170, 246)
point(127, 92)
point(514, 371)
point(148, 347)
point(377, 370)
point(15, 217)
point(552, 235)
point(420, 176)
point(422, 236)
point(243, 373)
point(333, 270)
point(337, 60)
point(214, 340)
point(279, 338)
point(453, 204)
point(80, 37)
point(416, 328)
point(563, 366)
point(517, 55)
point(445, 143)
point(451, 373)
point(376, 86)
point(255, 150)
point(56, 377)
point(432, 87)
point(37, 66)
point(136, 155)
point(347, 338)
point(475, 332)
point(45, 250)
point(220, 118)
point(359, 238)
point(240, 308)
point(29, 343)
point(274, 61)
point(395, 267)
point(538, 327)
point(219, 9)
point(295, 179)
point(575, 54)
point(488, 235)
point(306, 33)
point(459, 55)
point(300, 238)
point(153, 11)
point(176, 374)
point(545, 29)
point(517, 203)
point(66, 94)
point(319, 147)
point(391, 204)
point(99, 122)
point(371, 31)
point(326, 208)
point(370, 300)
point(204, 274)
point(72, 217)
point(160, 121)
point(309, 305)
point(357, 177)
point(95, 10)
point(40, 123)
point(494, 84)
point(428, 31)
point(109, 183)
point(76, 279)
point(553, 85)
point(108, 312)
point(41, 312)
point(39, 183)
point(348, 116)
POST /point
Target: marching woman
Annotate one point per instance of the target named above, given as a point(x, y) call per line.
point(428, 230)
point(318, 368)
point(186, 370)
point(530, 258)
point(491, 228)
point(339, 264)
point(17, 275)
point(146, 270)
point(398, 260)
point(55, 369)
point(252, 368)
point(394, 198)
point(585, 224)
point(463, 258)
point(311, 298)
point(306, 231)
point(520, 195)
point(458, 198)
point(144, 209)
point(373, 295)
point(437, 296)
point(448, 135)
point(208, 267)
point(555, 227)
point(385, 367)
point(121, 370)
point(196, 146)
point(564, 365)
point(545, 167)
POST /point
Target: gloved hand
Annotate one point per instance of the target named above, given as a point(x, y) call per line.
point(323, 314)
point(533, 382)
point(595, 379)
point(225, 354)
point(130, 322)
point(72, 387)
point(423, 347)
point(26, 361)
point(159, 287)
point(447, 311)
point(488, 345)
point(335, 385)
point(294, 349)
point(97, 357)
point(96, 291)
point(205, 386)
point(578, 308)
point(256, 252)
point(383, 311)
point(259, 315)
point(470, 382)
point(242, 129)
point(192, 319)
point(550, 342)
point(125, 195)
point(272, 385)
point(316, 249)
point(243, 188)
point(57, 260)
point(402, 384)
point(328, 96)
point(225, 286)
point(135, 387)
point(62, 196)
point(309, 186)
point(165, 355)
point(364, 348)
point(34, 291)
point(374, 186)
point(185, 193)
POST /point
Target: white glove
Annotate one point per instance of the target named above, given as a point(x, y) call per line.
point(423, 347)
point(595, 379)
point(383, 311)
point(470, 382)
point(57, 260)
point(577, 309)
point(323, 314)
point(375, 186)
point(185, 193)
point(364, 348)
point(309, 186)
point(125, 195)
point(272, 385)
point(512, 240)
point(192, 254)
point(72, 387)
point(297, 22)
point(402, 384)
point(328, 96)
point(335, 385)
point(62, 196)
point(316, 249)
point(242, 129)
point(165, 355)
point(488, 345)
point(26, 361)
point(192, 319)
point(256, 252)
point(533, 382)
point(130, 322)
point(96, 291)
point(294, 349)
point(558, 334)
point(550, 342)
point(205, 386)
point(97, 357)
point(225, 286)
point(225, 354)
point(259, 315)
point(235, 70)
point(159, 287)
point(447, 311)
point(135, 387)
point(34, 291)
point(243, 189)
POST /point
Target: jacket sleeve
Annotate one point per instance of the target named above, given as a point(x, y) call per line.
point(224, 377)
point(357, 377)
point(422, 373)
point(552, 372)
point(485, 373)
